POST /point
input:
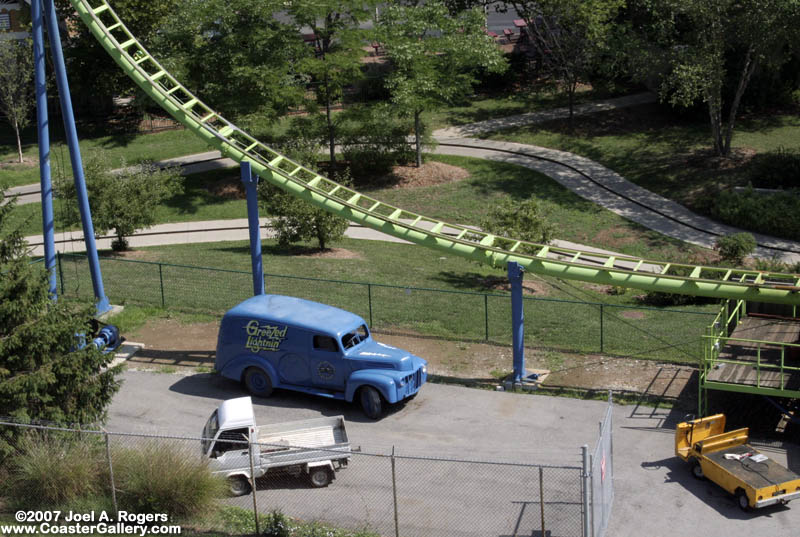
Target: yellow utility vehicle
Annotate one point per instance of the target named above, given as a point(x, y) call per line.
point(730, 462)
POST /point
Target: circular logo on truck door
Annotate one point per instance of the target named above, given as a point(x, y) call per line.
point(326, 371)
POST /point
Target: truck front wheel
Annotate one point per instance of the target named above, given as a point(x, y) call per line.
point(371, 402)
point(257, 382)
point(320, 477)
point(239, 485)
point(697, 470)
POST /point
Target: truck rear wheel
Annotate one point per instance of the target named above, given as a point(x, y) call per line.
point(371, 402)
point(742, 501)
point(239, 485)
point(320, 476)
point(257, 382)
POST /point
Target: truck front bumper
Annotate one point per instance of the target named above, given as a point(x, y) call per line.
point(783, 498)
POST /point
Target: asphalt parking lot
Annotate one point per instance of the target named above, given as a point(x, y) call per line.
point(655, 494)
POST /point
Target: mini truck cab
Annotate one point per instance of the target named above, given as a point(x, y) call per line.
point(274, 341)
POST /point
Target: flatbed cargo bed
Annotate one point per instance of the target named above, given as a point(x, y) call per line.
point(755, 474)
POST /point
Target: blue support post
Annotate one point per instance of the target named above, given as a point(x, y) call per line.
point(62, 83)
point(251, 188)
point(43, 128)
point(515, 272)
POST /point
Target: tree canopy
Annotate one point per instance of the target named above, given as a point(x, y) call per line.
point(43, 376)
point(434, 56)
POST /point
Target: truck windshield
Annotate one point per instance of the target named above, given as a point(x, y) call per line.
point(210, 431)
point(351, 339)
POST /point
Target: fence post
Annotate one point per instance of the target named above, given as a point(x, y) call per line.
point(253, 484)
point(111, 474)
point(541, 497)
point(602, 339)
point(394, 494)
point(585, 479)
point(486, 314)
point(161, 281)
point(60, 272)
point(369, 299)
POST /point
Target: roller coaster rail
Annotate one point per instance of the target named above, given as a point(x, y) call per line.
point(467, 242)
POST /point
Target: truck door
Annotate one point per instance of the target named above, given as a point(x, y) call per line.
point(230, 451)
point(328, 370)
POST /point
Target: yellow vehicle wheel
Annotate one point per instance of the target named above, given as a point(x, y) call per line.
point(742, 501)
point(697, 470)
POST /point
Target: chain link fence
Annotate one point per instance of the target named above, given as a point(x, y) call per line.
point(380, 493)
point(602, 475)
point(651, 333)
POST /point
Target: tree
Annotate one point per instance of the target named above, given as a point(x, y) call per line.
point(236, 55)
point(338, 48)
point(710, 50)
point(569, 36)
point(121, 200)
point(526, 220)
point(42, 375)
point(94, 76)
point(295, 219)
point(434, 57)
point(16, 84)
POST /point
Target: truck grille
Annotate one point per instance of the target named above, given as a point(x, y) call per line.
point(418, 378)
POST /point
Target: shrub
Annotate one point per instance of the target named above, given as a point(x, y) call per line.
point(53, 470)
point(773, 214)
point(526, 220)
point(277, 525)
point(734, 248)
point(775, 169)
point(156, 477)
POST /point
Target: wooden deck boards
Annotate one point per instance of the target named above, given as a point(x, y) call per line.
point(762, 329)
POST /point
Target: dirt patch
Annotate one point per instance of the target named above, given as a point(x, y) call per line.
point(430, 173)
point(186, 347)
point(229, 188)
point(332, 253)
point(139, 255)
point(633, 314)
point(15, 163)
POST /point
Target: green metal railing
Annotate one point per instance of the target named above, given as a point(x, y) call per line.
point(568, 325)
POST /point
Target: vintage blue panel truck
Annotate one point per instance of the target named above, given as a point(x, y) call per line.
point(274, 341)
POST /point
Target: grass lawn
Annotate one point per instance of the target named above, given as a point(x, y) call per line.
point(464, 202)
point(669, 155)
point(400, 288)
point(132, 148)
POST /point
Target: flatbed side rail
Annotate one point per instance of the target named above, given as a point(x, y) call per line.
point(722, 441)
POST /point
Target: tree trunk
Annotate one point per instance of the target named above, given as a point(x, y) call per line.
point(571, 88)
point(715, 117)
point(417, 137)
point(331, 137)
point(744, 80)
point(19, 141)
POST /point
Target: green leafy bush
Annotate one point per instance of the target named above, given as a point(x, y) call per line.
point(771, 214)
point(775, 169)
point(156, 477)
point(734, 248)
point(55, 469)
point(276, 524)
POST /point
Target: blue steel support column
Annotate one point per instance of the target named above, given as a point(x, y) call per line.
point(251, 187)
point(62, 83)
point(515, 272)
point(42, 123)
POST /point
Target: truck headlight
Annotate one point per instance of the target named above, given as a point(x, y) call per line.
point(425, 369)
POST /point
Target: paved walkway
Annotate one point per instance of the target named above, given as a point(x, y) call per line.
point(585, 177)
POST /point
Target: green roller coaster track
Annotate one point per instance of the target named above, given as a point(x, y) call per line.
point(300, 181)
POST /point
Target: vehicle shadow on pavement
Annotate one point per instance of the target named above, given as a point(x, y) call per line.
point(710, 493)
point(215, 386)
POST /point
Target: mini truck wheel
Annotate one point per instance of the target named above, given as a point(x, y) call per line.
point(238, 485)
point(742, 501)
point(320, 476)
point(371, 402)
point(257, 382)
point(697, 470)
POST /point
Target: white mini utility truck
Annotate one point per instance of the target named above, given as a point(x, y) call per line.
point(315, 447)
